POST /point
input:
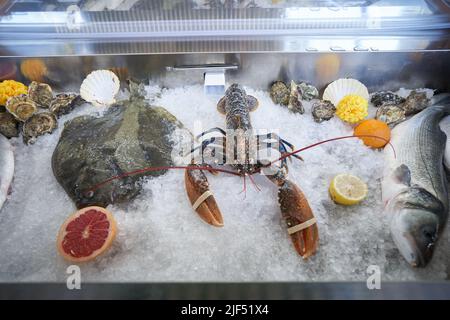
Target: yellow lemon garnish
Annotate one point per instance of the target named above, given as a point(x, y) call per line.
point(11, 88)
point(347, 189)
point(352, 108)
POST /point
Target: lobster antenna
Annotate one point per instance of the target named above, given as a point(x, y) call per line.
point(254, 183)
point(330, 140)
point(244, 190)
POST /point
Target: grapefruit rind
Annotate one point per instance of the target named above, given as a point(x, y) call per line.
point(108, 242)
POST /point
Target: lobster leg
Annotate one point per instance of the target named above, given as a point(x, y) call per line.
point(295, 210)
point(281, 142)
point(201, 198)
point(216, 129)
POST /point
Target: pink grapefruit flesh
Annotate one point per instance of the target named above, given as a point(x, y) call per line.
point(86, 234)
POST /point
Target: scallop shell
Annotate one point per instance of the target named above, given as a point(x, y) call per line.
point(21, 107)
point(340, 88)
point(100, 88)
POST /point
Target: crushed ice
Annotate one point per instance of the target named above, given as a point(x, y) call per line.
point(162, 239)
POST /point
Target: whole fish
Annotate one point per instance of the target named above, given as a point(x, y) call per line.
point(6, 168)
point(414, 186)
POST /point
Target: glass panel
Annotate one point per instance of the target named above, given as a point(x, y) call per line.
point(34, 27)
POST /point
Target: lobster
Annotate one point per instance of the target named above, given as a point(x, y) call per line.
point(238, 147)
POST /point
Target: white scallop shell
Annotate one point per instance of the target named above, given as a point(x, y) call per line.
point(100, 88)
point(340, 88)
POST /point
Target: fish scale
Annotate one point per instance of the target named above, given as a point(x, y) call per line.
point(429, 142)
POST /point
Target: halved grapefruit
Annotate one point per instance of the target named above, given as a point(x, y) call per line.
point(86, 234)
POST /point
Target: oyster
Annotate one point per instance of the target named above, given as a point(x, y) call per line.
point(386, 97)
point(37, 125)
point(64, 103)
point(391, 114)
point(21, 107)
point(306, 91)
point(280, 93)
point(295, 105)
point(8, 125)
point(323, 110)
point(41, 93)
point(415, 102)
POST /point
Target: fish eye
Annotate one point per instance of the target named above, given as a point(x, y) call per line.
point(429, 234)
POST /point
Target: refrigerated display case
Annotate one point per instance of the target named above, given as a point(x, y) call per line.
point(186, 54)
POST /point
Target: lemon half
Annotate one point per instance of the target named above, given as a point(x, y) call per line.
point(347, 189)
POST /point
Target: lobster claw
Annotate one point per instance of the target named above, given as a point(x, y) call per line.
point(201, 198)
point(301, 223)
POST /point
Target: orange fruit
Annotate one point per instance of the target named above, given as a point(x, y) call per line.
point(376, 128)
point(327, 67)
point(34, 69)
point(86, 234)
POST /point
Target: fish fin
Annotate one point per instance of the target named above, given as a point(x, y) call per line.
point(443, 99)
point(252, 103)
point(221, 105)
point(402, 174)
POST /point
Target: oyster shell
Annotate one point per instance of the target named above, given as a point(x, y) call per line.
point(386, 97)
point(280, 93)
point(37, 125)
point(323, 110)
point(306, 91)
point(41, 93)
point(295, 105)
point(21, 107)
point(391, 114)
point(415, 102)
point(8, 125)
point(64, 103)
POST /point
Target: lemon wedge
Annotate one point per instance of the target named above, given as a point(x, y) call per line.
point(347, 189)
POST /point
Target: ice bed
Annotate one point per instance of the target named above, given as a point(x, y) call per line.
point(176, 50)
